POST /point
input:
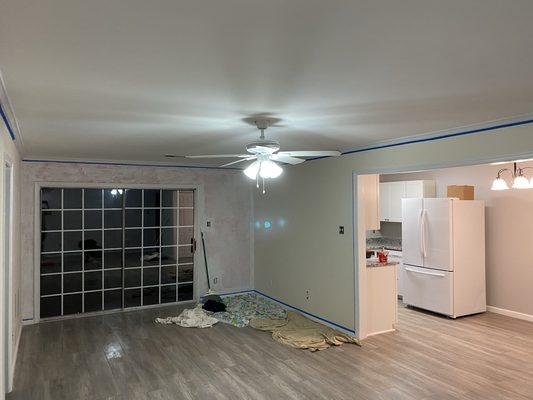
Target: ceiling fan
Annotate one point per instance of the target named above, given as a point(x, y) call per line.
point(266, 156)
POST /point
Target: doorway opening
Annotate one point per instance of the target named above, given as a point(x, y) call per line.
point(7, 261)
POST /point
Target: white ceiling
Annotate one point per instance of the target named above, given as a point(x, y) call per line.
point(135, 79)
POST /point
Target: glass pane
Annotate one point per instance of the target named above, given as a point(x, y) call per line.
point(72, 220)
point(51, 220)
point(50, 198)
point(93, 301)
point(168, 294)
point(185, 292)
point(185, 254)
point(50, 241)
point(186, 217)
point(186, 198)
point(132, 277)
point(186, 235)
point(72, 283)
point(152, 198)
point(93, 240)
point(152, 217)
point(151, 237)
point(150, 296)
point(132, 258)
point(170, 198)
point(50, 263)
point(168, 255)
point(113, 259)
point(72, 240)
point(72, 261)
point(134, 198)
point(132, 298)
point(134, 218)
point(72, 304)
point(113, 239)
point(168, 274)
point(150, 276)
point(133, 237)
point(169, 236)
point(151, 256)
point(113, 198)
point(50, 306)
point(93, 219)
point(185, 273)
point(50, 284)
point(112, 299)
point(113, 219)
point(93, 260)
point(72, 198)
point(93, 198)
point(169, 217)
point(93, 280)
point(113, 279)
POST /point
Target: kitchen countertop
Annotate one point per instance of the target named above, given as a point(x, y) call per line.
point(373, 263)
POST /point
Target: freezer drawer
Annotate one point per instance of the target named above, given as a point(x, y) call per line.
point(428, 289)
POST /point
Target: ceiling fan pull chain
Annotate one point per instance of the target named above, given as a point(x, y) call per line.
point(263, 185)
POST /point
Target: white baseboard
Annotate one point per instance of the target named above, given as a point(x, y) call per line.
point(381, 332)
point(510, 313)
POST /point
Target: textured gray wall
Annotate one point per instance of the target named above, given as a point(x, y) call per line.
point(227, 203)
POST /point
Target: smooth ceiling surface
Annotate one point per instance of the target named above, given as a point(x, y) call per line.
point(135, 79)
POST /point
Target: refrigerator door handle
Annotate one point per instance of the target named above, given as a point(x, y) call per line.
point(424, 232)
point(425, 272)
point(421, 232)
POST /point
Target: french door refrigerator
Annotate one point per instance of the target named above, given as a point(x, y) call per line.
point(443, 244)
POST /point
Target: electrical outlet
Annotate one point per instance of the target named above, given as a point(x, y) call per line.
point(215, 280)
point(208, 223)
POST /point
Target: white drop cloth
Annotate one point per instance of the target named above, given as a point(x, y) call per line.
point(195, 318)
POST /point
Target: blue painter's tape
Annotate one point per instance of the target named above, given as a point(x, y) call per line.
point(127, 164)
point(6, 121)
point(305, 312)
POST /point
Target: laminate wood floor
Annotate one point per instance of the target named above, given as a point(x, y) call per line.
point(127, 356)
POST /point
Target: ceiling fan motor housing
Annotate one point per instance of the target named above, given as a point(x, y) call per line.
point(263, 147)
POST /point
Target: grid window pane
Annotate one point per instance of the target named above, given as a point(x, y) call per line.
point(169, 217)
point(50, 284)
point(113, 219)
point(92, 280)
point(92, 240)
point(92, 198)
point(50, 263)
point(168, 294)
point(150, 276)
point(152, 217)
point(113, 198)
point(50, 306)
point(92, 259)
point(112, 299)
point(113, 239)
point(169, 255)
point(72, 262)
point(186, 217)
point(50, 241)
point(170, 198)
point(186, 198)
point(169, 236)
point(150, 296)
point(50, 198)
point(72, 283)
point(185, 273)
point(132, 298)
point(72, 198)
point(168, 274)
point(134, 218)
point(151, 237)
point(72, 304)
point(152, 198)
point(132, 258)
point(133, 237)
point(112, 259)
point(51, 220)
point(134, 198)
point(185, 255)
point(93, 219)
point(72, 240)
point(113, 279)
point(132, 277)
point(93, 301)
point(185, 292)
point(72, 219)
point(151, 256)
point(186, 235)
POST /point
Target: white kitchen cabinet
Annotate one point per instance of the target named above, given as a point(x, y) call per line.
point(392, 193)
point(369, 195)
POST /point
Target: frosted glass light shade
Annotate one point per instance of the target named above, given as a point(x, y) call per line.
point(521, 182)
point(252, 170)
point(269, 169)
point(499, 184)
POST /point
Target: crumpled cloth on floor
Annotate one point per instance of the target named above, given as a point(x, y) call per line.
point(190, 318)
point(241, 308)
point(300, 332)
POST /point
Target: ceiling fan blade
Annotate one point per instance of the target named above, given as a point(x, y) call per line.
point(238, 161)
point(221, 156)
point(286, 159)
point(310, 153)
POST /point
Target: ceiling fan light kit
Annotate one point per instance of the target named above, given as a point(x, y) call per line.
point(266, 156)
point(520, 181)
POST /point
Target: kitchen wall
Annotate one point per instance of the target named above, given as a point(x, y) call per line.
point(227, 204)
point(306, 252)
point(509, 229)
point(9, 153)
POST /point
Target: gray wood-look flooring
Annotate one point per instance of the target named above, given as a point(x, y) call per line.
point(127, 356)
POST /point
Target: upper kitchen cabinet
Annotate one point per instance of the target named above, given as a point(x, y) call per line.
point(369, 195)
point(392, 193)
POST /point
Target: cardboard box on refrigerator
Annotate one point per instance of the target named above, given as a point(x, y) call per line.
point(462, 192)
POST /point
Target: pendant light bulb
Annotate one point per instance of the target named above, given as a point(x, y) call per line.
point(252, 170)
